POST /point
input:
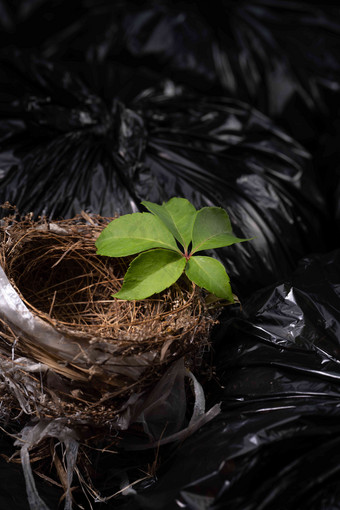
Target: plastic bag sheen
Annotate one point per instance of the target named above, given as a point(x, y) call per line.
point(281, 57)
point(276, 444)
point(67, 144)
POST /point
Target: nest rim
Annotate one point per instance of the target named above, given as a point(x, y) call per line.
point(176, 332)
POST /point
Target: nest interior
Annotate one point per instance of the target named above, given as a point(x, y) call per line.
point(55, 270)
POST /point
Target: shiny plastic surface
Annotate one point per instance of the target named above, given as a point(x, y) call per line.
point(66, 145)
point(280, 56)
point(77, 132)
point(276, 443)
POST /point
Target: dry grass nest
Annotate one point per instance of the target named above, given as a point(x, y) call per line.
point(108, 350)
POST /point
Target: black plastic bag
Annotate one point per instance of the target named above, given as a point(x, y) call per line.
point(277, 443)
point(327, 162)
point(281, 57)
point(74, 137)
point(29, 24)
point(168, 39)
point(67, 146)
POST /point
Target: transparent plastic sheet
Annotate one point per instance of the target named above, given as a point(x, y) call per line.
point(13, 492)
point(80, 354)
point(292, 434)
point(30, 436)
point(65, 349)
point(276, 443)
point(162, 412)
point(67, 146)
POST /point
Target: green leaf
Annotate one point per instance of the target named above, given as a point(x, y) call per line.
point(133, 233)
point(151, 272)
point(212, 229)
point(210, 274)
point(178, 214)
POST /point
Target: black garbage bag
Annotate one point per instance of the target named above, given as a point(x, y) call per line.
point(281, 57)
point(30, 23)
point(327, 162)
point(161, 36)
point(276, 444)
point(68, 143)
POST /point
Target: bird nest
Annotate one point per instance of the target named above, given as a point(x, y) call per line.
point(79, 353)
point(77, 366)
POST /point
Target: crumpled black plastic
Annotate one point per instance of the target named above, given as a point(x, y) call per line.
point(68, 144)
point(29, 23)
point(281, 57)
point(164, 37)
point(276, 444)
point(327, 162)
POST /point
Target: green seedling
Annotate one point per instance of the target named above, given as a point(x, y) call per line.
point(168, 239)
